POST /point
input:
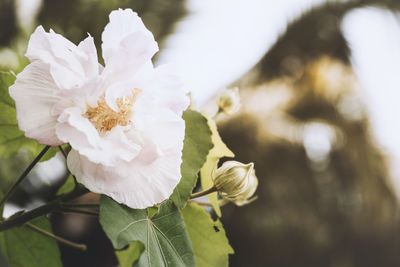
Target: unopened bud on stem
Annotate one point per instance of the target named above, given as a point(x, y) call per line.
point(229, 101)
point(236, 182)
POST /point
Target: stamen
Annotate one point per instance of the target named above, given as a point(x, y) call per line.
point(105, 118)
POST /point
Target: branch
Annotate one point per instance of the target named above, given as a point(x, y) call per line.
point(66, 156)
point(86, 212)
point(81, 205)
point(221, 202)
point(63, 152)
point(23, 175)
point(58, 238)
point(42, 210)
point(203, 193)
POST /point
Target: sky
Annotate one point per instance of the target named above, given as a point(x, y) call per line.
point(373, 35)
point(221, 40)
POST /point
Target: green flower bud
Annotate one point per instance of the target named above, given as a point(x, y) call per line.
point(236, 182)
point(229, 101)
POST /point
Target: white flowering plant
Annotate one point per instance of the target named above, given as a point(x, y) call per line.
point(127, 134)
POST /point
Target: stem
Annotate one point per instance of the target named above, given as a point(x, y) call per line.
point(86, 212)
point(63, 151)
point(203, 193)
point(58, 238)
point(42, 210)
point(200, 203)
point(65, 156)
point(221, 202)
point(80, 205)
point(217, 114)
point(23, 175)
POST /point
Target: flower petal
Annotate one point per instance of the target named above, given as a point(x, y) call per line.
point(127, 45)
point(134, 184)
point(90, 63)
point(35, 94)
point(73, 128)
point(170, 87)
point(70, 65)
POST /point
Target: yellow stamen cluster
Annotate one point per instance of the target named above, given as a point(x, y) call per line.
point(105, 118)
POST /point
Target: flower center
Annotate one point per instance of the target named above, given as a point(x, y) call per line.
point(105, 118)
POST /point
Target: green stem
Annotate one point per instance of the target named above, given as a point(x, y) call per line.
point(23, 175)
point(80, 205)
point(86, 212)
point(216, 114)
point(203, 193)
point(42, 210)
point(63, 151)
point(65, 156)
point(58, 238)
point(221, 202)
point(200, 203)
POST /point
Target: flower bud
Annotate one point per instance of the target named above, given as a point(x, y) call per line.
point(236, 182)
point(229, 101)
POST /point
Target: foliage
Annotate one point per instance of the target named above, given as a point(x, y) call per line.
point(68, 186)
point(23, 247)
point(148, 237)
point(218, 151)
point(210, 245)
point(196, 146)
point(12, 139)
point(164, 235)
point(129, 256)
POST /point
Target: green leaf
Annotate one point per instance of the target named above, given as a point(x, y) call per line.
point(12, 138)
point(196, 145)
point(218, 151)
point(67, 187)
point(49, 154)
point(164, 235)
point(3, 260)
point(128, 256)
point(211, 247)
point(24, 247)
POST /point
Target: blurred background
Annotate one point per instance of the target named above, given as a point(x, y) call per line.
point(319, 85)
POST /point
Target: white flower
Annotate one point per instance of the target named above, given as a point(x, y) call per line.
point(229, 101)
point(123, 121)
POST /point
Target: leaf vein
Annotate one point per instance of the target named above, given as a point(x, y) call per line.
point(169, 242)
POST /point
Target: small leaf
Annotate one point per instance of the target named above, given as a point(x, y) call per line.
point(128, 256)
point(151, 211)
point(196, 146)
point(3, 260)
point(24, 247)
point(218, 151)
point(49, 154)
point(67, 187)
point(211, 247)
point(12, 138)
point(164, 235)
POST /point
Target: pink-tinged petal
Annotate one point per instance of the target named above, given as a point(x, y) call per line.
point(167, 134)
point(70, 65)
point(90, 64)
point(35, 94)
point(170, 86)
point(161, 88)
point(123, 23)
point(127, 45)
point(75, 129)
point(135, 184)
point(125, 87)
